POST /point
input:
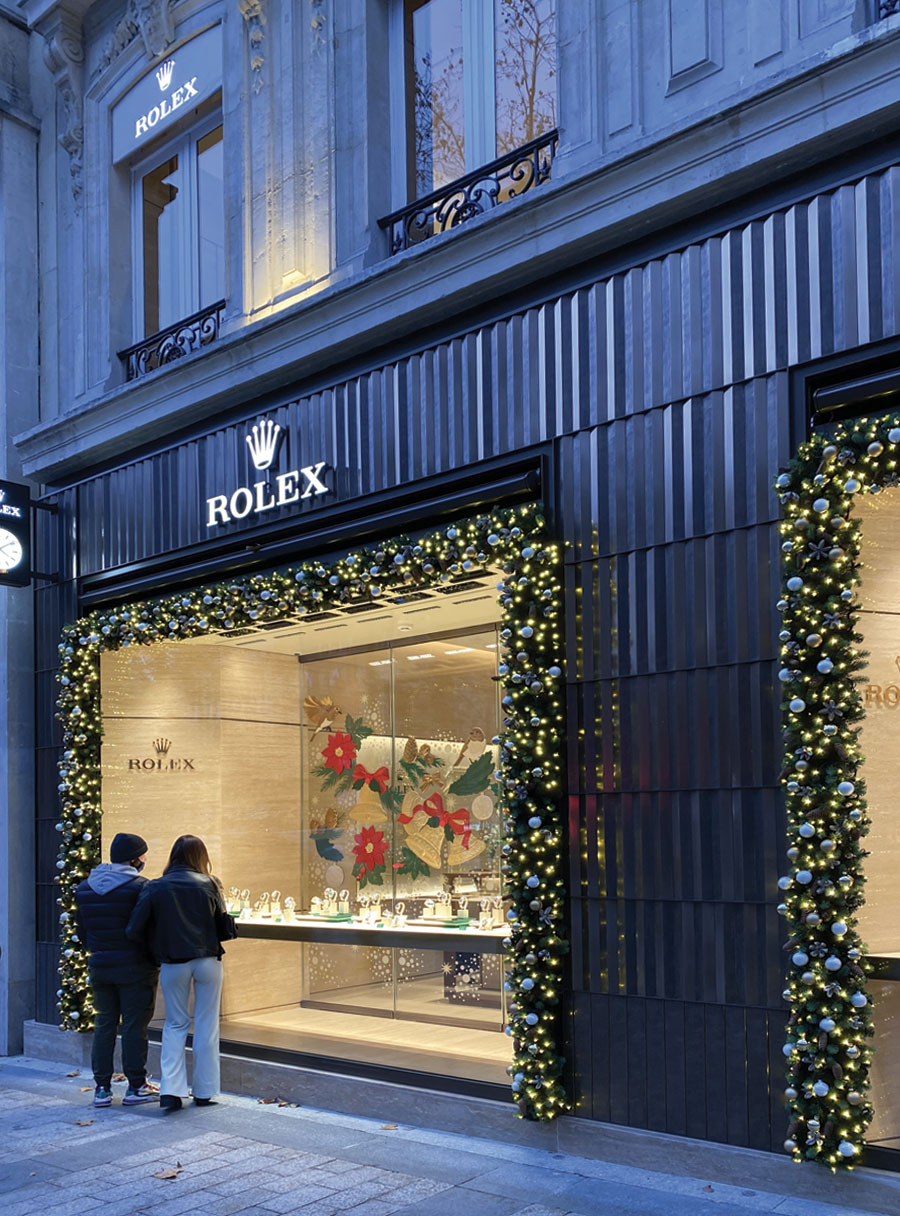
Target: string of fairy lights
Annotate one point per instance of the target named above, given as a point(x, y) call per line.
point(513, 540)
point(827, 1048)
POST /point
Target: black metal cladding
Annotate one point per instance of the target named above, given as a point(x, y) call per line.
point(664, 392)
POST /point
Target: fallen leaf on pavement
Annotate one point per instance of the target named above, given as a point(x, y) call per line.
point(266, 1101)
point(86, 1089)
point(389, 1127)
point(83, 1122)
point(118, 1076)
point(76, 1073)
point(707, 1188)
point(168, 1174)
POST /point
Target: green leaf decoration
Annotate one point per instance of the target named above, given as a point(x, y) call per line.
point(412, 866)
point(448, 832)
point(476, 777)
point(368, 878)
point(357, 730)
point(415, 771)
point(392, 799)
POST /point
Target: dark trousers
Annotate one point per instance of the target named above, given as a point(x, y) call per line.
point(127, 994)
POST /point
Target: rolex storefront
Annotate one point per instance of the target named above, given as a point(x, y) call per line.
point(364, 731)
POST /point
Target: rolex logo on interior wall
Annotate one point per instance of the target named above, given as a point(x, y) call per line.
point(162, 762)
point(164, 74)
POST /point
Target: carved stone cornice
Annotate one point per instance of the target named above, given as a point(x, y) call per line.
point(64, 56)
point(151, 19)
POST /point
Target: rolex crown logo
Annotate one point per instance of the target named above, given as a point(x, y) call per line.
point(263, 442)
point(164, 74)
point(161, 746)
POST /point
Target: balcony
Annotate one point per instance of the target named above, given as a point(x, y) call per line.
point(194, 332)
point(473, 194)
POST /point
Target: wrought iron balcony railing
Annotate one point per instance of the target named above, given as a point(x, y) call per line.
point(887, 8)
point(175, 342)
point(474, 194)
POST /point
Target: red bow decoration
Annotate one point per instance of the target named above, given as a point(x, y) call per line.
point(381, 778)
point(433, 807)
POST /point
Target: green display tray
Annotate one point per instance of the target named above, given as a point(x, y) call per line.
point(434, 922)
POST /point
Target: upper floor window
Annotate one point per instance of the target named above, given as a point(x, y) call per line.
point(180, 229)
point(480, 82)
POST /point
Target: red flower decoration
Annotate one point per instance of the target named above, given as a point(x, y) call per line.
point(369, 849)
point(340, 752)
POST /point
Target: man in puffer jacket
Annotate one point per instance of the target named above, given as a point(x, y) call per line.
point(123, 976)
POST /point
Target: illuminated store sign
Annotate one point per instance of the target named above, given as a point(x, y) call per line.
point(178, 84)
point(263, 441)
point(15, 535)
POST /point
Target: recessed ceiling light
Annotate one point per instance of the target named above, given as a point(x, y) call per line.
point(412, 657)
point(404, 628)
point(461, 650)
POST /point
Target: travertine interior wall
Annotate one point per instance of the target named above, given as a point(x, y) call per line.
point(230, 723)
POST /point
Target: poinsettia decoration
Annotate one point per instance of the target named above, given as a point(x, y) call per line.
point(340, 753)
point(369, 849)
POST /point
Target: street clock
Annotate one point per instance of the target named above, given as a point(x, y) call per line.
point(15, 535)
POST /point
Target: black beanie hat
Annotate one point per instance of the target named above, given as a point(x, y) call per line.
point(126, 847)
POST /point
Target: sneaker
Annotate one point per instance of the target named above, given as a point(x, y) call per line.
point(102, 1096)
point(144, 1093)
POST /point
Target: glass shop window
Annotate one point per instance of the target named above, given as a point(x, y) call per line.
point(181, 230)
point(480, 82)
point(879, 918)
point(342, 773)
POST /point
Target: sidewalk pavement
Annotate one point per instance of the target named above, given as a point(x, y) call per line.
point(60, 1157)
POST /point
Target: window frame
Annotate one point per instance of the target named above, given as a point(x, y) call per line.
point(182, 143)
point(479, 92)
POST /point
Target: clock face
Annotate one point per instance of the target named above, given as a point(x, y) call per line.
point(10, 550)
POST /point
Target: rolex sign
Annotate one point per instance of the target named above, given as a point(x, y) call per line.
point(15, 535)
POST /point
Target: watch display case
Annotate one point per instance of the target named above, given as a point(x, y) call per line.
point(349, 800)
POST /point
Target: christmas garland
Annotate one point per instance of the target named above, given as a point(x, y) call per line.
point(827, 1049)
point(530, 592)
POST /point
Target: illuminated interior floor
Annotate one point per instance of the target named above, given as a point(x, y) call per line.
point(455, 1051)
point(479, 1050)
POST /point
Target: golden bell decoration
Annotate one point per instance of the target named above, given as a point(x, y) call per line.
point(458, 853)
point(368, 807)
point(425, 842)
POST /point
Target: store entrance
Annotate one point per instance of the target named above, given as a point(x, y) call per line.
point(341, 768)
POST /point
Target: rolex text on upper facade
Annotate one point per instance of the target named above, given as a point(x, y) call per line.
point(293, 486)
point(167, 106)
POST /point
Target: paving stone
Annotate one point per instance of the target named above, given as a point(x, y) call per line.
point(538, 1209)
point(298, 1198)
point(456, 1201)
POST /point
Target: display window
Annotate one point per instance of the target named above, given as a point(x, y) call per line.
point(879, 736)
point(370, 747)
point(342, 773)
point(840, 675)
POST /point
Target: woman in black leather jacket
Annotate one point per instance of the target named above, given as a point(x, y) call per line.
point(181, 918)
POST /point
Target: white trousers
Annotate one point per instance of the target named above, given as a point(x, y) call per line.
point(175, 979)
